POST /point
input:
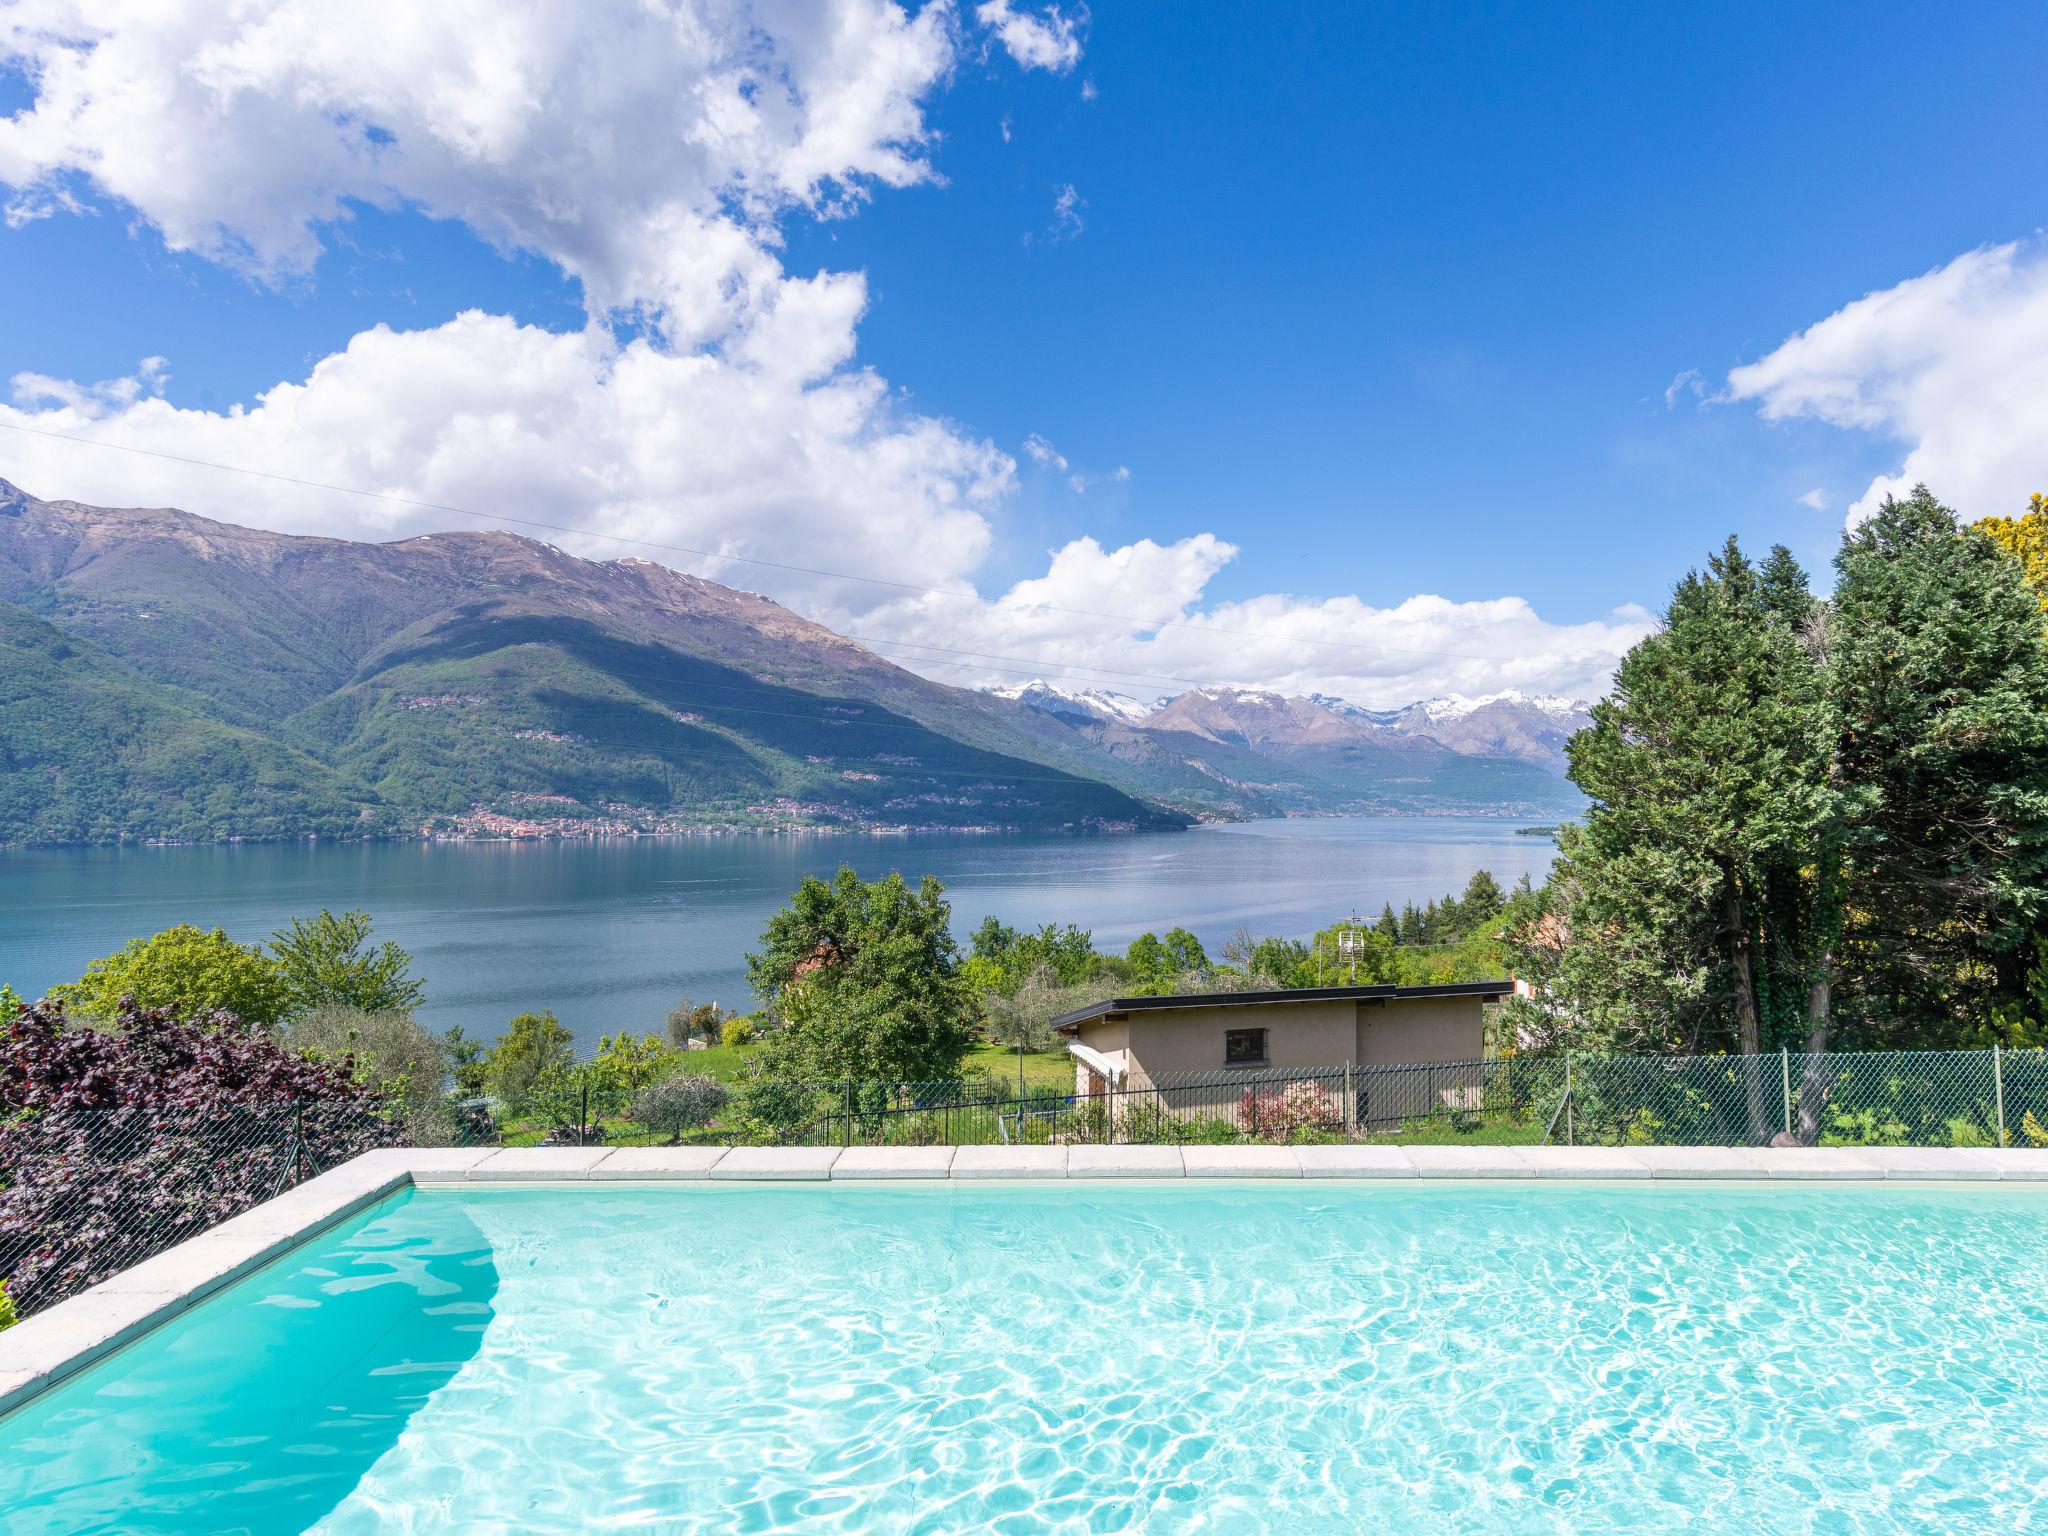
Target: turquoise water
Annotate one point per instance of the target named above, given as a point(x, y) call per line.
point(1217, 1359)
point(610, 934)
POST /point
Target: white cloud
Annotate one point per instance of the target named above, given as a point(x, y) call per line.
point(645, 149)
point(1952, 364)
point(650, 153)
point(1341, 645)
point(578, 430)
point(1046, 39)
point(1067, 223)
point(1039, 451)
point(1687, 381)
point(1816, 499)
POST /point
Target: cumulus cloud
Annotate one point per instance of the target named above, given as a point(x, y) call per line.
point(1045, 39)
point(713, 402)
point(1169, 632)
point(645, 149)
point(1952, 365)
point(578, 430)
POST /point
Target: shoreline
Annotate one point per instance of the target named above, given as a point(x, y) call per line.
point(721, 831)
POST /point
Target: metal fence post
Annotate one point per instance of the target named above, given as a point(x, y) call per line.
point(1785, 1071)
point(1350, 1106)
point(848, 1130)
point(1998, 1087)
point(1570, 1130)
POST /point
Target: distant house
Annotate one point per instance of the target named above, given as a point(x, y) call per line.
point(1134, 1042)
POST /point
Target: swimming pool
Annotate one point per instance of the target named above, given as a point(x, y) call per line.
point(1584, 1359)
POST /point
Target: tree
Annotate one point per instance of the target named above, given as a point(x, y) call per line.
point(1022, 1021)
point(1481, 903)
point(187, 970)
point(391, 1052)
point(1002, 957)
point(687, 1021)
point(866, 977)
point(466, 1062)
point(532, 1045)
point(627, 1063)
point(2025, 538)
point(328, 961)
point(1940, 680)
point(1709, 772)
point(678, 1104)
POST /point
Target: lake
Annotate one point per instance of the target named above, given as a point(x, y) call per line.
point(610, 934)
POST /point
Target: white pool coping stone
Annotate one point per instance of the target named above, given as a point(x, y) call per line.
point(44, 1349)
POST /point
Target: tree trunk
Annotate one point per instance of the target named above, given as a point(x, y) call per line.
point(1813, 1080)
point(1749, 1033)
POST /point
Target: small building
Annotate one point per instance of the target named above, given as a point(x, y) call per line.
point(1136, 1042)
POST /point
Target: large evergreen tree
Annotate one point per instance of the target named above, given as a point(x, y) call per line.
point(1708, 768)
point(1940, 680)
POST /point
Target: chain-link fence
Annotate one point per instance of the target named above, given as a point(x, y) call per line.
point(85, 1193)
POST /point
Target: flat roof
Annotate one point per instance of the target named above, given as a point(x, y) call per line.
point(1383, 993)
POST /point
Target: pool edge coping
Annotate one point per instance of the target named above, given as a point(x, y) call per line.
point(49, 1347)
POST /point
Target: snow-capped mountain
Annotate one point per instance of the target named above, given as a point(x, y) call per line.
point(1532, 727)
point(1456, 706)
point(1526, 727)
point(1077, 705)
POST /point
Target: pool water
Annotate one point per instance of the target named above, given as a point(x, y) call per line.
point(1222, 1358)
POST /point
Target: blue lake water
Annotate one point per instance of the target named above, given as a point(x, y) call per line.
point(1484, 1360)
point(610, 934)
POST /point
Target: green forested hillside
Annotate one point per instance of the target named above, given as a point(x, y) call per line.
point(257, 685)
point(231, 682)
point(91, 751)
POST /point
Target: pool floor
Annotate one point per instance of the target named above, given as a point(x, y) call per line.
point(1584, 1360)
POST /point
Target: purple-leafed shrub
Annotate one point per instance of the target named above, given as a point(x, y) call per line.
point(116, 1143)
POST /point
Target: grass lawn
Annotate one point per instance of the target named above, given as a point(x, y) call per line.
point(1494, 1131)
point(728, 1063)
point(1042, 1069)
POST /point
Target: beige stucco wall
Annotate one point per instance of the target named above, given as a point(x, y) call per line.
point(1298, 1035)
point(1421, 1029)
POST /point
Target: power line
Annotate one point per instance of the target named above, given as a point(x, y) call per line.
point(707, 554)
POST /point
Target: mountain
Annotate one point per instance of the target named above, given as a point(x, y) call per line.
point(1079, 706)
point(1532, 727)
point(174, 677)
point(1511, 724)
point(1248, 752)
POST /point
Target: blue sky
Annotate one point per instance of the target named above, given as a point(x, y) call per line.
point(1392, 299)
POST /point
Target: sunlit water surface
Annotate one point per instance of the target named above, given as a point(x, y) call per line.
point(1224, 1359)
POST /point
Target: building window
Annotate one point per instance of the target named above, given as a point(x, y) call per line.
point(1244, 1047)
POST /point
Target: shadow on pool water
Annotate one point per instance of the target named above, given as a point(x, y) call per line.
point(255, 1414)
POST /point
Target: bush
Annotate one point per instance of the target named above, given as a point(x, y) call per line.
point(532, 1045)
point(121, 1141)
point(679, 1104)
point(689, 1021)
point(391, 1051)
point(736, 1032)
point(187, 970)
point(8, 1317)
point(1301, 1108)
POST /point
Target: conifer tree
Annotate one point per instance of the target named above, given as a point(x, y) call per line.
point(1940, 680)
